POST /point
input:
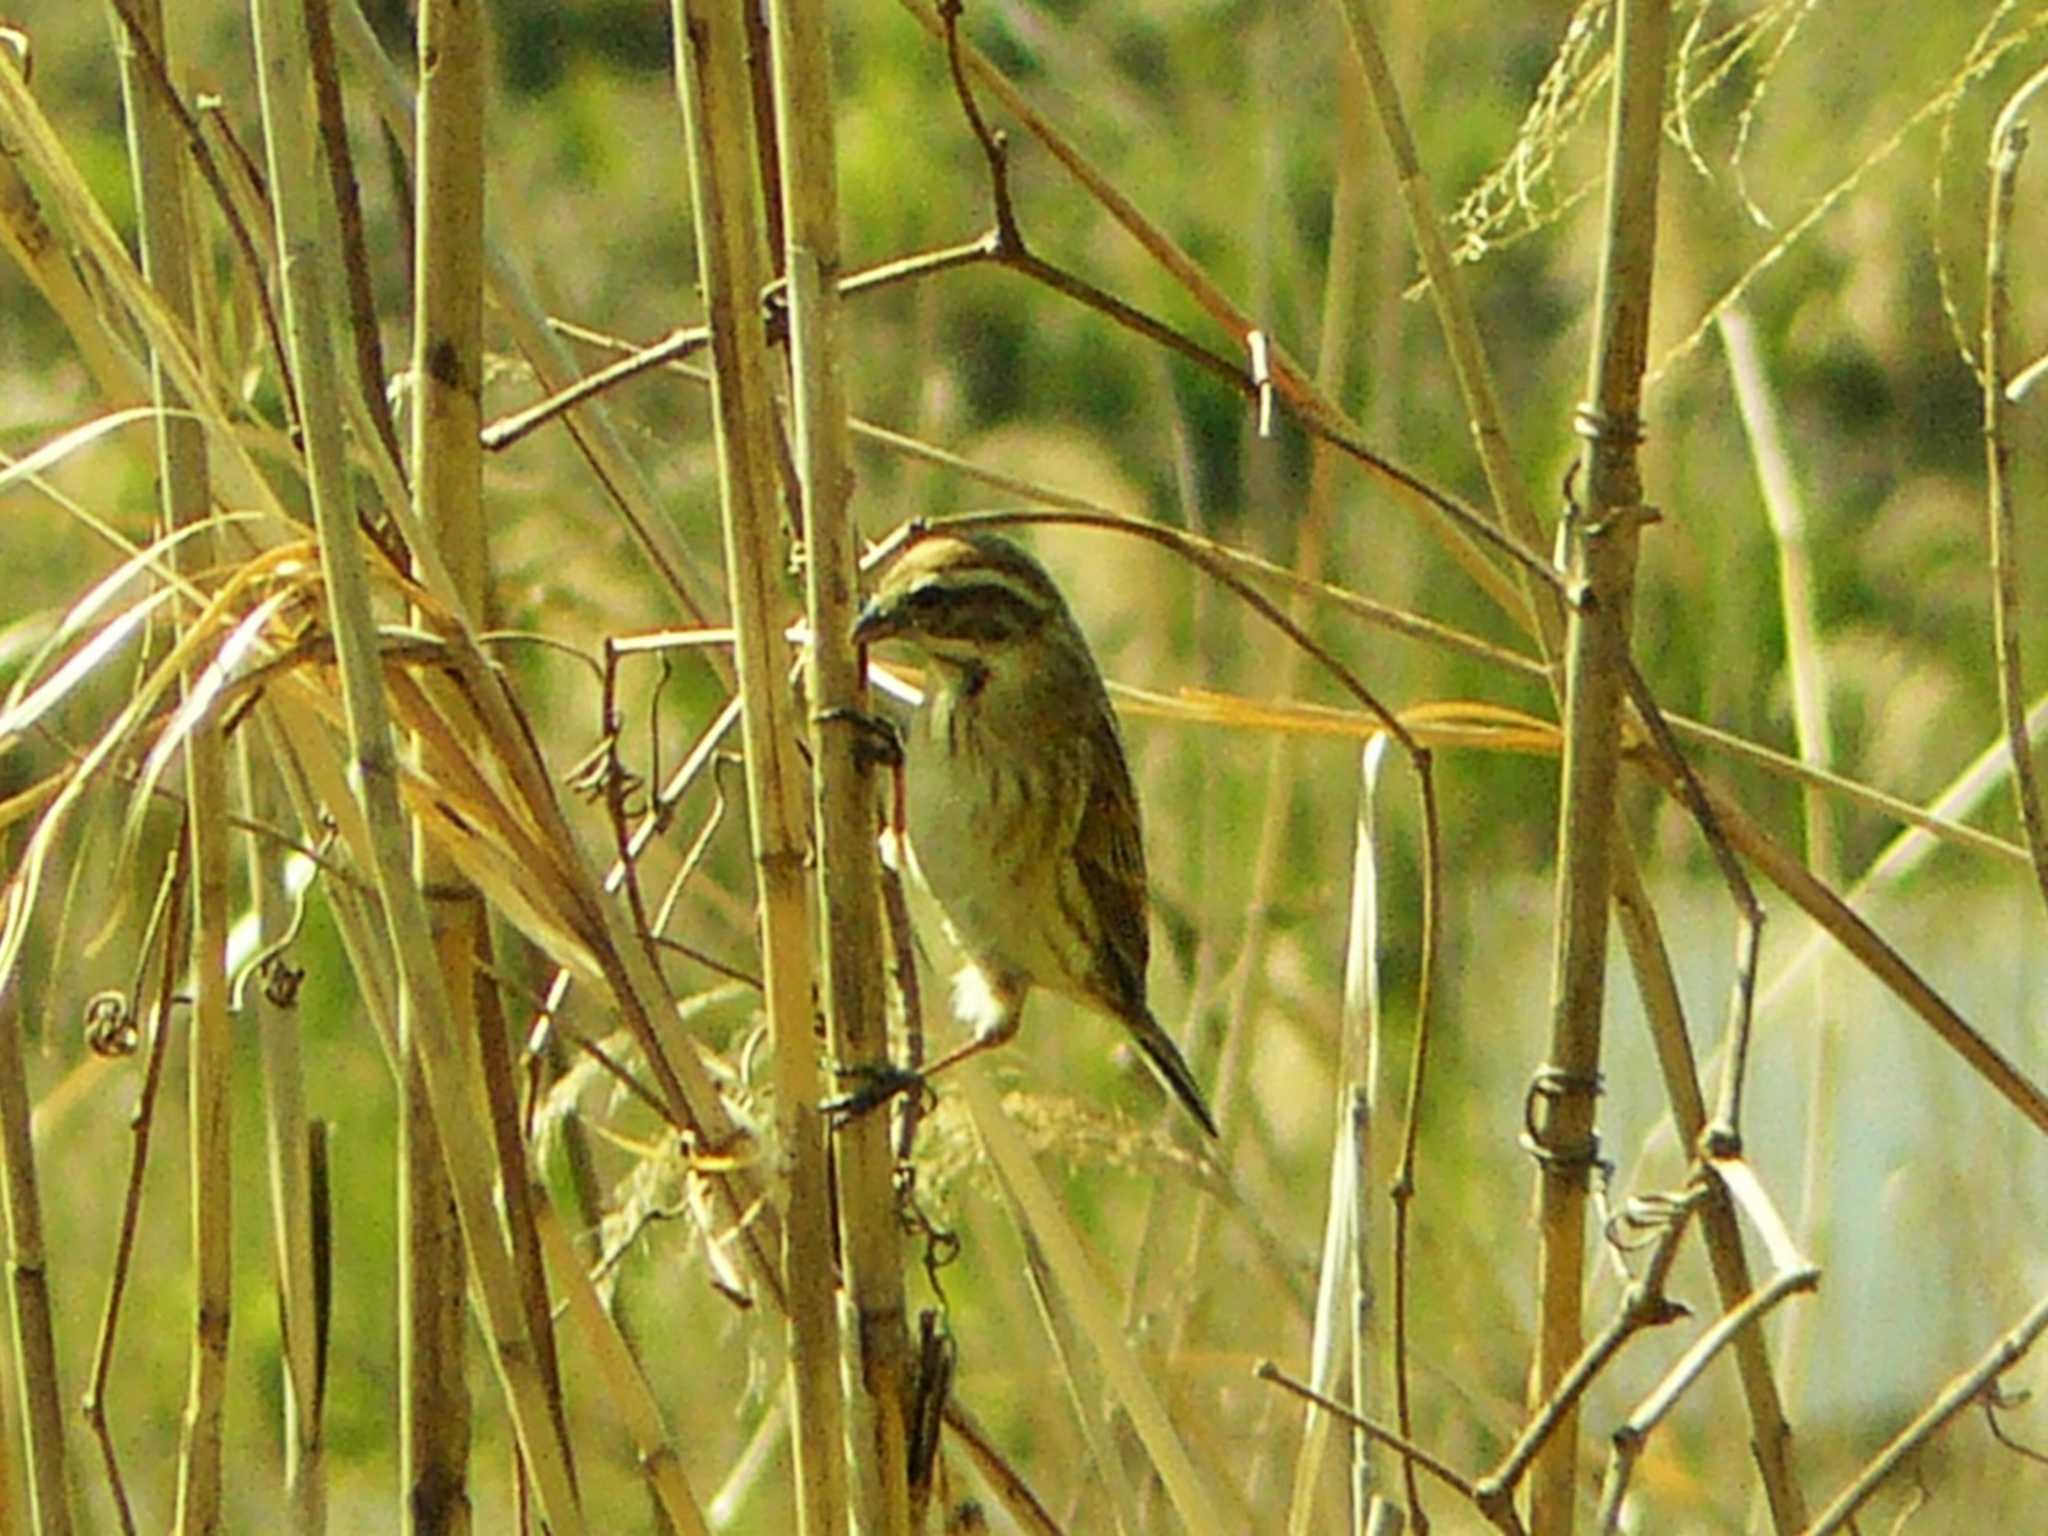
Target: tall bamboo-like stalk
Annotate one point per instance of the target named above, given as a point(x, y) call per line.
point(711, 68)
point(447, 494)
point(637, 986)
point(40, 1403)
point(850, 929)
point(35, 1352)
point(448, 1061)
point(1602, 558)
point(289, 1141)
point(167, 262)
point(1651, 962)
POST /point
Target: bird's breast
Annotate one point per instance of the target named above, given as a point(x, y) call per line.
point(983, 818)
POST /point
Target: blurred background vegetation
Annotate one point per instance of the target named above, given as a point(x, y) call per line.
point(1848, 143)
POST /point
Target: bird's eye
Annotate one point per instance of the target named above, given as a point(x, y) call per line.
point(975, 613)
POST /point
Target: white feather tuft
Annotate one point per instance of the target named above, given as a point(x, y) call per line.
point(975, 1003)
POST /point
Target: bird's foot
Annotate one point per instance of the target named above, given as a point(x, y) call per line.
point(876, 742)
point(873, 1084)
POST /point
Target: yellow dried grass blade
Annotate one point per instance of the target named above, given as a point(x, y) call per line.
point(1082, 1288)
point(81, 664)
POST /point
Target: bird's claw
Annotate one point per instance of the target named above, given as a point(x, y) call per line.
point(875, 1084)
point(876, 742)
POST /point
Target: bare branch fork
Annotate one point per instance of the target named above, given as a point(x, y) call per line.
point(1969, 1387)
point(1502, 1515)
point(1005, 245)
point(1643, 1305)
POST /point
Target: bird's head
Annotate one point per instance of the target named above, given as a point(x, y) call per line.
point(963, 600)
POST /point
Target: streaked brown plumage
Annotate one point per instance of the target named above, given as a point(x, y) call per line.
point(1022, 820)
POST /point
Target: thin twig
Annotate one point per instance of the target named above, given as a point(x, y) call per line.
point(258, 285)
point(1634, 1433)
point(1501, 1518)
point(687, 340)
point(348, 208)
point(1820, 902)
point(1018, 1500)
point(1311, 409)
point(1724, 1131)
point(1643, 1306)
point(2008, 146)
point(140, 1124)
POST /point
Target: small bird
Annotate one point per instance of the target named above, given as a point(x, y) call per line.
point(1022, 820)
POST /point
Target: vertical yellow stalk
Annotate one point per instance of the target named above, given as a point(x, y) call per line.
point(1603, 539)
point(1647, 954)
point(167, 261)
point(447, 494)
point(449, 1062)
point(42, 1409)
point(711, 67)
point(850, 931)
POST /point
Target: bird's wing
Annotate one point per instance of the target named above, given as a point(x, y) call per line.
point(1109, 859)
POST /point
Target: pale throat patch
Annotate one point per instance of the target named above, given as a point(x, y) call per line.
point(975, 1003)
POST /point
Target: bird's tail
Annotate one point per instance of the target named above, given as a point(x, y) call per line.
point(1166, 1060)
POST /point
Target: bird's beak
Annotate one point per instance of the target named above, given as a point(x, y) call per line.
point(875, 622)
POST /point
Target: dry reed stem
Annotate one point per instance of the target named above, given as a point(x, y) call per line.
point(447, 506)
point(168, 263)
point(39, 1399)
point(452, 1072)
point(618, 474)
point(1040, 1219)
point(1602, 542)
point(654, 1446)
point(1542, 616)
point(850, 928)
point(715, 94)
point(43, 258)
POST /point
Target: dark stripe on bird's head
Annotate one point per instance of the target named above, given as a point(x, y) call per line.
point(960, 593)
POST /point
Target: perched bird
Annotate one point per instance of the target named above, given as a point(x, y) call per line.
point(1022, 820)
